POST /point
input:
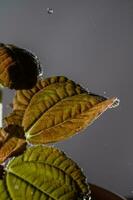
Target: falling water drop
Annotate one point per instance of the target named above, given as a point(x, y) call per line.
point(50, 11)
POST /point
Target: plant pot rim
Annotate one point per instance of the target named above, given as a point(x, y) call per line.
point(104, 194)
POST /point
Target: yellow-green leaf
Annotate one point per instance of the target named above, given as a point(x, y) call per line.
point(43, 173)
point(4, 195)
point(56, 109)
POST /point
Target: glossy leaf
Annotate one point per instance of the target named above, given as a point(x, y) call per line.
point(43, 173)
point(56, 109)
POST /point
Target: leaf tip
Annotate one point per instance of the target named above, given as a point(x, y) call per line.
point(114, 102)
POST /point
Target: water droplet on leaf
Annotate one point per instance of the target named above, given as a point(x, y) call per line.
point(16, 187)
point(40, 76)
point(115, 103)
point(85, 196)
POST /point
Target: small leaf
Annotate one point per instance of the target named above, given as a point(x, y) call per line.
point(15, 118)
point(13, 144)
point(18, 67)
point(11, 148)
point(55, 109)
point(3, 136)
point(43, 173)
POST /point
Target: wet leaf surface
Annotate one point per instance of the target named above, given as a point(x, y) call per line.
point(55, 109)
point(43, 173)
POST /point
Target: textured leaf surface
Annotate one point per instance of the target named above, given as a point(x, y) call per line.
point(11, 147)
point(15, 118)
point(3, 136)
point(3, 191)
point(18, 67)
point(43, 173)
point(12, 142)
point(56, 109)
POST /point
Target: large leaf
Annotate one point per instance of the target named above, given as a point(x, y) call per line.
point(56, 109)
point(43, 173)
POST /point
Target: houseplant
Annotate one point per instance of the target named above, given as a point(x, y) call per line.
point(44, 111)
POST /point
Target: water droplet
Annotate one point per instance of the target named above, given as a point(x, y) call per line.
point(115, 103)
point(29, 144)
point(16, 187)
point(85, 197)
point(50, 11)
point(40, 76)
point(5, 163)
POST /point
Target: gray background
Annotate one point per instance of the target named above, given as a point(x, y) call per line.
point(91, 42)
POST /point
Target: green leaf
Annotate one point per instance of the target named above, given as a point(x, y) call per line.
point(56, 109)
point(43, 173)
point(3, 191)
